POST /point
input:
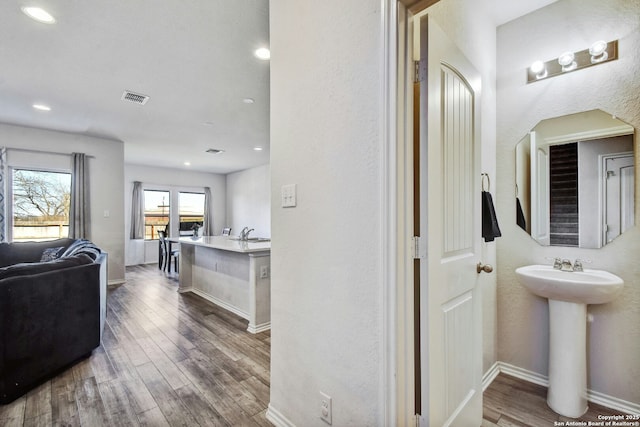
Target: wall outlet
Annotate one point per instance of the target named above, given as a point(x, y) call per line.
point(264, 272)
point(325, 408)
point(288, 196)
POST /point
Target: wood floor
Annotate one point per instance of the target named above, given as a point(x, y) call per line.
point(171, 359)
point(167, 360)
point(511, 402)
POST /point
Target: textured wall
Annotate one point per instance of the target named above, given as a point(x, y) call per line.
point(614, 334)
point(326, 104)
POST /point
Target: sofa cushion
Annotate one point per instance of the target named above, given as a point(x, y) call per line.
point(51, 254)
point(17, 252)
point(28, 268)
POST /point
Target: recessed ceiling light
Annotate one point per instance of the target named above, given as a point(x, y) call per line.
point(38, 14)
point(263, 53)
point(248, 100)
point(187, 163)
point(257, 148)
point(41, 107)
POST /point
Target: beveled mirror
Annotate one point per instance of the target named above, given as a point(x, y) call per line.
point(575, 180)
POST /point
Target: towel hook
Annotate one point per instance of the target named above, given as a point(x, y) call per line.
point(488, 181)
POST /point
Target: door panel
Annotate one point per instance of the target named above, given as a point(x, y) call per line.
point(450, 310)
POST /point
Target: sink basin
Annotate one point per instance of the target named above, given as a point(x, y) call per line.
point(568, 293)
point(581, 287)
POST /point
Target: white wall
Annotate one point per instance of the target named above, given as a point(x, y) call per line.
point(249, 201)
point(105, 176)
point(174, 180)
point(326, 252)
point(614, 334)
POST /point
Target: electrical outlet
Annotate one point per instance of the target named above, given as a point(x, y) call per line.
point(325, 408)
point(264, 271)
point(288, 196)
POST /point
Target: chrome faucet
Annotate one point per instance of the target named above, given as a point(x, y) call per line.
point(565, 264)
point(244, 234)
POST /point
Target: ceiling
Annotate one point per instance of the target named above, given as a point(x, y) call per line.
point(195, 60)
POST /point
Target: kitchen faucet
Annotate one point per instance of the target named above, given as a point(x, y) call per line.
point(244, 234)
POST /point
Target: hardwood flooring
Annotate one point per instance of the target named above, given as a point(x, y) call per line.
point(512, 402)
point(167, 359)
point(171, 359)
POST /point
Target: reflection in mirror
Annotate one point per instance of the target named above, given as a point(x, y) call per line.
point(575, 180)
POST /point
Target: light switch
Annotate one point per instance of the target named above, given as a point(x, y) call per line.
point(106, 213)
point(288, 196)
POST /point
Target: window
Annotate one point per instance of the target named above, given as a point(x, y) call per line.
point(191, 211)
point(40, 204)
point(156, 213)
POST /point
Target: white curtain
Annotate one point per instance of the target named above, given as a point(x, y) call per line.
point(79, 219)
point(3, 182)
point(137, 212)
point(208, 218)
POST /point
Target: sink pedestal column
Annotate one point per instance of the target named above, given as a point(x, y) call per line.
point(567, 393)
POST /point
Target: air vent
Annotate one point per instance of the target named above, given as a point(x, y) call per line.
point(136, 98)
point(214, 151)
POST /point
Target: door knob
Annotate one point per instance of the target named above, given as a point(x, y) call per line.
point(483, 267)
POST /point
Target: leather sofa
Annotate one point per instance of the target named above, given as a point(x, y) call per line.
point(52, 309)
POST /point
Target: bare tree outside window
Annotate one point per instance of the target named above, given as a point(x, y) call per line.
point(40, 204)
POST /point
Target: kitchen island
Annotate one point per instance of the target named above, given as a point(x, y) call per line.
point(231, 273)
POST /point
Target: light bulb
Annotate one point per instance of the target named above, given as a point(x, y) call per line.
point(598, 51)
point(538, 69)
point(566, 60)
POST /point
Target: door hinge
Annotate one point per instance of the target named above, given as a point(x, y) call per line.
point(419, 71)
point(417, 247)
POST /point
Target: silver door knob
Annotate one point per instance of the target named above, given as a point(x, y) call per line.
point(483, 267)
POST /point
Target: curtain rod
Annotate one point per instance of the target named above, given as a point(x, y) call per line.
point(29, 150)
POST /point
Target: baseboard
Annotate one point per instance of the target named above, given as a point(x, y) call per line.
point(536, 378)
point(220, 303)
point(259, 328)
point(116, 282)
point(277, 418)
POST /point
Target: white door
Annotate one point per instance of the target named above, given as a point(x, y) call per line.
point(450, 309)
point(619, 198)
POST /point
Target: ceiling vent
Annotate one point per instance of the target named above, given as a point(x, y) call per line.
point(136, 98)
point(214, 151)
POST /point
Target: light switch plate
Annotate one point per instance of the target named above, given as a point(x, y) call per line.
point(288, 196)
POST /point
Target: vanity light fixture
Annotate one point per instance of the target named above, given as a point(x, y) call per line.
point(599, 53)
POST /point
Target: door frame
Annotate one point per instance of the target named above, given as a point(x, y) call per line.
point(397, 397)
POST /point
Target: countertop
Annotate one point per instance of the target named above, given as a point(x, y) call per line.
point(225, 243)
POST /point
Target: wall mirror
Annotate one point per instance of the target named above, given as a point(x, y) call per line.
point(575, 180)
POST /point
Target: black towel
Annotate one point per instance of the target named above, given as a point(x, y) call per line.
point(490, 228)
point(520, 220)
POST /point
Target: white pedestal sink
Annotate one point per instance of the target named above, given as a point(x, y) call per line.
point(569, 292)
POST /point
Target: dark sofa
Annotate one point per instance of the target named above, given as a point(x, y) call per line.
point(52, 309)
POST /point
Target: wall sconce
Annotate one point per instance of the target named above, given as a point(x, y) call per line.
point(599, 53)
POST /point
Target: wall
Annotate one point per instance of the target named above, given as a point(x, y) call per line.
point(614, 334)
point(249, 201)
point(175, 180)
point(470, 28)
point(326, 253)
point(105, 176)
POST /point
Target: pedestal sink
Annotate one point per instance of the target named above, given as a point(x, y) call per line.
point(569, 292)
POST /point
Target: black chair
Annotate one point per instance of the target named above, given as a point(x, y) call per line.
point(226, 231)
point(166, 253)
